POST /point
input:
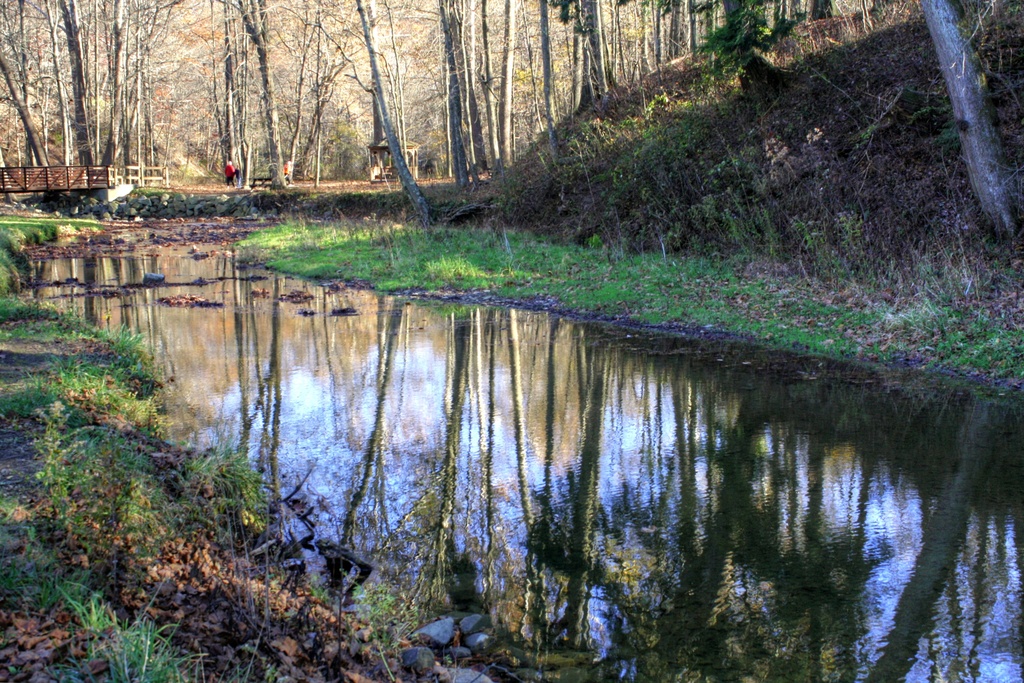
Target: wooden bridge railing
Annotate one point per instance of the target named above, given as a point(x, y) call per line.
point(55, 178)
point(142, 176)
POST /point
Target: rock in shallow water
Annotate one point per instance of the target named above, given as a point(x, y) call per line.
point(438, 633)
point(419, 659)
point(466, 676)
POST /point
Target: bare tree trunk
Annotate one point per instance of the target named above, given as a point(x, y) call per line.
point(245, 146)
point(487, 81)
point(458, 149)
point(821, 9)
point(378, 124)
point(35, 142)
point(137, 113)
point(675, 29)
point(300, 86)
point(656, 15)
point(975, 117)
point(117, 92)
point(532, 70)
point(419, 202)
point(508, 72)
point(319, 150)
point(599, 41)
point(67, 130)
point(545, 60)
point(578, 68)
point(595, 81)
point(230, 124)
point(93, 83)
point(478, 155)
point(76, 54)
point(693, 33)
point(615, 51)
point(397, 83)
point(254, 16)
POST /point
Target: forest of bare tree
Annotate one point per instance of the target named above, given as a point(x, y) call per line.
point(189, 84)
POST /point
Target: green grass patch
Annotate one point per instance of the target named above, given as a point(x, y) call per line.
point(12, 309)
point(95, 373)
point(17, 231)
point(780, 309)
point(233, 488)
point(134, 651)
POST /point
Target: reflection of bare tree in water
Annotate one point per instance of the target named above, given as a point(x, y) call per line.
point(387, 331)
point(486, 411)
point(534, 591)
point(269, 399)
point(581, 558)
point(434, 585)
point(763, 576)
point(738, 582)
point(563, 541)
point(246, 351)
point(944, 533)
point(717, 544)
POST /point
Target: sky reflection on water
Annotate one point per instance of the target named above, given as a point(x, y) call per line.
point(671, 510)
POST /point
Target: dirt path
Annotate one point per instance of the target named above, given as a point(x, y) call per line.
point(19, 360)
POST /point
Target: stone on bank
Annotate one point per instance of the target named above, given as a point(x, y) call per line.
point(167, 205)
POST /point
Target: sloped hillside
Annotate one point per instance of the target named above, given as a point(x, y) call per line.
point(852, 168)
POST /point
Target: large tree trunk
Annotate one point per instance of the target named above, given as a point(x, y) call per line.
point(117, 81)
point(230, 142)
point(79, 88)
point(508, 72)
point(692, 33)
point(975, 117)
point(545, 59)
point(675, 29)
point(490, 100)
point(65, 112)
point(478, 158)
point(35, 142)
point(595, 77)
point(822, 9)
point(419, 202)
point(458, 149)
point(254, 16)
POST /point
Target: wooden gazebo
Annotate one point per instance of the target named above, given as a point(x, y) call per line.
point(381, 168)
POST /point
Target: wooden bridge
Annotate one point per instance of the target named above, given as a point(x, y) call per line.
point(147, 176)
point(56, 178)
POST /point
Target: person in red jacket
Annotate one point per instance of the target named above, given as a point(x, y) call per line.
point(230, 173)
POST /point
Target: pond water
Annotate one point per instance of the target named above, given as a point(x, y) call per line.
point(626, 506)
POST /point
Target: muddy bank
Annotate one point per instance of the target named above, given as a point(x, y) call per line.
point(119, 238)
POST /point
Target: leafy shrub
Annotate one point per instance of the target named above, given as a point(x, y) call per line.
point(233, 489)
